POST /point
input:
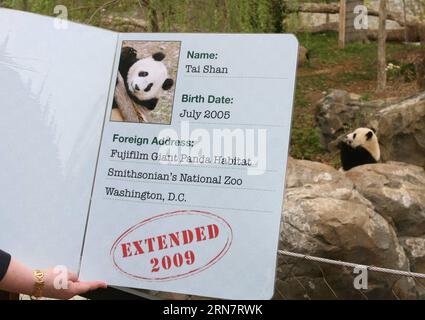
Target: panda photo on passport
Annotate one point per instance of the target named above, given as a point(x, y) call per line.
point(359, 147)
point(145, 79)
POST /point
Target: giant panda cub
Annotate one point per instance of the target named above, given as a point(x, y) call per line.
point(359, 147)
point(144, 79)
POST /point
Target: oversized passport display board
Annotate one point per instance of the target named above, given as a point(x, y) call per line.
point(187, 201)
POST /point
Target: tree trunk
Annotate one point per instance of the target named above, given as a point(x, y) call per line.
point(405, 20)
point(420, 73)
point(342, 26)
point(25, 5)
point(382, 74)
point(152, 15)
point(153, 18)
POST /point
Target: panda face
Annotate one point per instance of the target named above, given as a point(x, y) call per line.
point(146, 77)
point(365, 138)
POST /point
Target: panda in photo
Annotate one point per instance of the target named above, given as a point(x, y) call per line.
point(359, 147)
point(144, 79)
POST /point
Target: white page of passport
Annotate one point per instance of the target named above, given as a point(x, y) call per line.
point(262, 79)
point(53, 92)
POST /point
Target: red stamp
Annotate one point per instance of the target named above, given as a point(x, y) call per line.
point(172, 245)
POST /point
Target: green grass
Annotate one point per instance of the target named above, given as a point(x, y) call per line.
point(323, 49)
point(365, 97)
point(305, 142)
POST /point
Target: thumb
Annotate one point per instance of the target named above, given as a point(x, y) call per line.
point(72, 276)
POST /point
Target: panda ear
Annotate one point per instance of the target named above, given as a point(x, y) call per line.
point(369, 135)
point(168, 83)
point(159, 56)
point(373, 129)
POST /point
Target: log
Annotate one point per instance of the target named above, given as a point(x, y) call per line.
point(316, 7)
point(333, 8)
point(329, 26)
point(129, 110)
point(396, 35)
point(132, 24)
point(144, 114)
point(393, 35)
point(393, 16)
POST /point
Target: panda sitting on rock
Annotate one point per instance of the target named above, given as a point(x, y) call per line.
point(359, 147)
point(144, 79)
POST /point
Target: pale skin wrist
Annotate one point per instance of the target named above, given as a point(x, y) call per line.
point(20, 279)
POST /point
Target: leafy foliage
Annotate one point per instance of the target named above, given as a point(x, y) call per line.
point(171, 16)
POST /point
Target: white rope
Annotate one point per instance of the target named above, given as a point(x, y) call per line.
point(353, 265)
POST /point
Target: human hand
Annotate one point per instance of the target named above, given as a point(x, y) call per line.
point(67, 289)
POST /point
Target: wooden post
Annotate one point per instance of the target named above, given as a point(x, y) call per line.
point(420, 73)
point(405, 21)
point(342, 17)
point(347, 30)
point(382, 35)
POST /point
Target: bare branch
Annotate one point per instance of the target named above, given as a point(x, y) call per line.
point(103, 6)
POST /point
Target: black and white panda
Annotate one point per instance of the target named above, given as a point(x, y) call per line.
point(359, 147)
point(144, 79)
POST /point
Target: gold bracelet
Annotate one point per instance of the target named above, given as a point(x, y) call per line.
point(38, 285)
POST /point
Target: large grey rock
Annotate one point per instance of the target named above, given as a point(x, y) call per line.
point(400, 123)
point(334, 114)
point(340, 112)
point(397, 191)
point(415, 250)
point(401, 130)
point(325, 216)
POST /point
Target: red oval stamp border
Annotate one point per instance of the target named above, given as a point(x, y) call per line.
point(213, 261)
